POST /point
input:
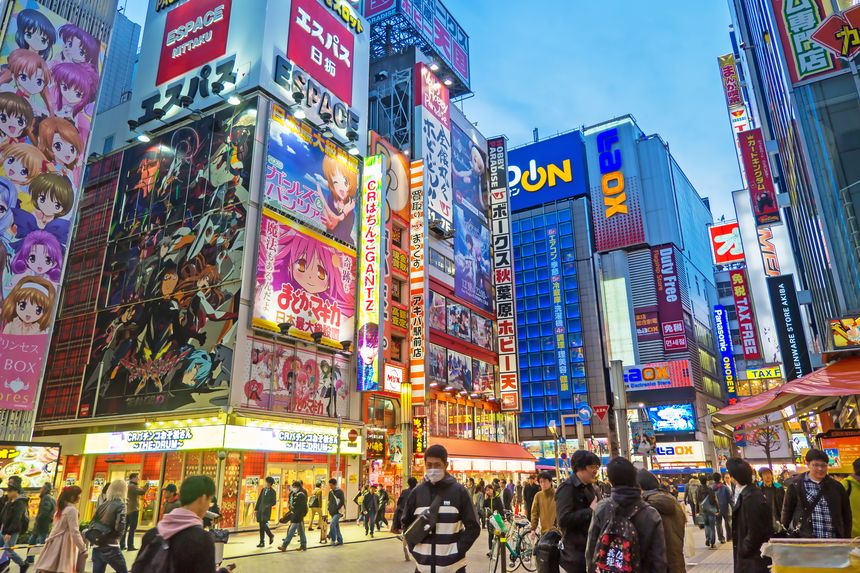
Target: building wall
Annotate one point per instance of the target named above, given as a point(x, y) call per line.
point(93, 16)
point(118, 77)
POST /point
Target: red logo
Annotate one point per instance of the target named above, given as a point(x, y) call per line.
point(195, 34)
point(840, 33)
point(600, 411)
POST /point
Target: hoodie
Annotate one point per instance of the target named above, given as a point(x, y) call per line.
point(191, 547)
point(852, 484)
point(177, 520)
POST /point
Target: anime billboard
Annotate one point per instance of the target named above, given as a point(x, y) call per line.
point(472, 273)
point(310, 178)
point(459, 371)
point(49, 78)
point(303, 279)
point(437, 365)
point(470, 171)
point(172, 271)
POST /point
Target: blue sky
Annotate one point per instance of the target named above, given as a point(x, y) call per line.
point(560, 64)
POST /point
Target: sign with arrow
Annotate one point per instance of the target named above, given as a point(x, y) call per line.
point(840, 33)
point(584, 412)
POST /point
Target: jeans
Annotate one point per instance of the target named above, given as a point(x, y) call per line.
point(315, 511)
point(334, 529)
point(130, 527)
point(264, 531)
point(13, 539)
point(724, 517)
point(109, 555)
point(369, 523)
point(710, 529)
point(300, 527)
point(380, 518)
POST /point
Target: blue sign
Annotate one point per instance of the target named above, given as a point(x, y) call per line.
point(547, 171)
point(724, 345)
point(673, 418)
point(584, 412)
point(559, 323)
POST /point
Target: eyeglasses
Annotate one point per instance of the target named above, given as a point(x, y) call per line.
point(818, 465)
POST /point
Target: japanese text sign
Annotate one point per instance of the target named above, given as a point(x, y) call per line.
point(840, 33)
point(726, 243)
point(418, 333)
point(746, 315)
point(731, 82)
point(797, 20)
point(669, 307)
point(758, 175)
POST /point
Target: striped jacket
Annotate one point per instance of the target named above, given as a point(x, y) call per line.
point(456, 529)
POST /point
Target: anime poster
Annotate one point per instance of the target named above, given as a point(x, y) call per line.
point(437, 365)
point(172, 271)
point(482, 331)
point(395, 448)
point(303, 279)
point(470, 172)
point(310, 178)
point(483, 380)
point(459, 321)
point(288, 380)
point(459, 371)
point(437, 311)
point(472, 275)
point(396, 176)
point(49, 78)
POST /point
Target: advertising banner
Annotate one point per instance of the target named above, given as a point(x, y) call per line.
point(418, 328)
point(283, 378)
point(768, 373)
point(472, 273)
point(322, 47)
point(45, 134)
point(680, 452)
point(840, 33)
point(310, 178)
point(419, 435)
point(758, 177)
point(745, 313)
point(841, 451)
point(789, 327)
point(726, 243)
point(558, 318)
point(303, 279)
point(739, 120)
point(482, 331)
point(766, 440)
point(503, 277)
point(470, 172)
point(669, 305)
point(459, 371)
point(431, 97)
point(483, 380)
point(731, 82)
point(34, 464)
point(370, 263)
point(300, 438)
point(548, 170)
point(658, 376)
point(396, 176)
point(438, 311)
point(643, 438)
point(797, 20)
point(647, 324)
point(393, 378)
point(437, 365)
point(459, 321)
point(195, 33)
point(673, 418)
point(727, 358)
point(845, 332)
point(173, 439)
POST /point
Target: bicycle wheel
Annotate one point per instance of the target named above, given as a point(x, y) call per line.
point(527, 554)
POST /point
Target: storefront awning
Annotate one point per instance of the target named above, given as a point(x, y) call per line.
point(822, 387)
point(474, 455)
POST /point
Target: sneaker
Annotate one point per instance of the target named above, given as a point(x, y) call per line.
point(261, 544)
point(282, 548)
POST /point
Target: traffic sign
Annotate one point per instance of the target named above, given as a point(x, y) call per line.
point(601, 411)
point(584, 412)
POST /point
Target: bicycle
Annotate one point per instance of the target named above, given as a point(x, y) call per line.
point(519, 543)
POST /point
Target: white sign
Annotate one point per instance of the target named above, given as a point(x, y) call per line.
point(680, 452)
point(393, 378)
point(168, 439)
point(293, 438)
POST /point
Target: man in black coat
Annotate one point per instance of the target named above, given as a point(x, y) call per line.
point(12, 521)
point(752, 525)
point(575, 502)
point(263, 509)
point(397, 520)
point(530, 490)
point(774, 495)
point(298, 511)
point(816, 504)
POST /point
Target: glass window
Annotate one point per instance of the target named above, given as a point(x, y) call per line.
point(564, 215)
point(551, 218)
point(526, 225)
point(565, 229)
point(528, 249)
point(566, 242)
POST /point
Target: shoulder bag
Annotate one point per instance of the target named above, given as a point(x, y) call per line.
point(424, 524)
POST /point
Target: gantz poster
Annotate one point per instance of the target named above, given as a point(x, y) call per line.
point(50, 73)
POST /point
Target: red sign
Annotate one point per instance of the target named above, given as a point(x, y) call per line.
point(797, 21)
point(669, 306)
point(746, 315)
point(195, 33)
point(600, 411)
point(759, 180)
point(726, 243)
point(431, 93)
point(321, 46)
point(840, 33)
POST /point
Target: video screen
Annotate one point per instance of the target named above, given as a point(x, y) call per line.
point(673, 418)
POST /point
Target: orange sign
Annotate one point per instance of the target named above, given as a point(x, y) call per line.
point(845, 332)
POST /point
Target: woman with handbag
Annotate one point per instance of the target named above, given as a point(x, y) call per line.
point(492, 504)
point(65, 545)
point(107, 526)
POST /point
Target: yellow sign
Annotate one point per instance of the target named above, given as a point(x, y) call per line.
point(764, 373)
point(845, 332)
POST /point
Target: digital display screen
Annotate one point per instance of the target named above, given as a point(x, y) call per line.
point(673, 418)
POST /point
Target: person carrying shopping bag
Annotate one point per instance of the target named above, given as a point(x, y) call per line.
point(65, 544)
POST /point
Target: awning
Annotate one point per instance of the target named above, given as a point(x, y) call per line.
point(841, 378)
point(475, 455)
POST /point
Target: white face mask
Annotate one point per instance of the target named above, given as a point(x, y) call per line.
point(434, 475)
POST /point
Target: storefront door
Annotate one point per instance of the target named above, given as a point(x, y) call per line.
point(286, 474)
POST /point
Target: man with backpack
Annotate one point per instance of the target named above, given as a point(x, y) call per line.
point(725, 498)
point(752, 523)
point(626, 534)
point(852, 484)
point(709, 509)
point(691, 495)
point(336, 505)
point(816, 505)
point(179, 542)
point(14, 522)
point(575, 501)
point(673, 516)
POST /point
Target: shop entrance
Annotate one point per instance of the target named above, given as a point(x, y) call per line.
point(286, 474)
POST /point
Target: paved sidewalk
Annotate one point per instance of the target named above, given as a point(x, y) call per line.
point(706, 560)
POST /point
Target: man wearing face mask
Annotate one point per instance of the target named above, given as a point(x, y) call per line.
point(456, 529)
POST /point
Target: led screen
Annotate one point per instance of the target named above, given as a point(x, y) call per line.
point(673, 418)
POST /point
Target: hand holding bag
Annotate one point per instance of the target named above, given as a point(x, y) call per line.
point(424, 524)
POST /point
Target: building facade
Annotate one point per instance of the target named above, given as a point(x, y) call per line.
point(121, 61)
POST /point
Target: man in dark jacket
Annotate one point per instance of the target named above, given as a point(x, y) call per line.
point(370, 506)
point(336, 505)
point(774, 494)
point(454, 529)
point(383, 504)
point(12, 521)
point(507, 495)
point(673, 516)
point(135, 493)
point(575, 501)
point(815, 503)
point(530, 490)
point(111, 514)
point(263, 509)
point(397, 520)
point(626, 498)
point(725, 499)
point(44, 516)
point(492, 504)
point(191, 547)
point(752, 525)
point(298, 511)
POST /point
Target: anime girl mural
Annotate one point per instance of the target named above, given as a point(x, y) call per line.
point(16, 119)
point(61, 144)
point(79, 47)
point(339, 207)
point(74, 90)
point(29, 306)
point(52, 198)
point(21, 163)
point(40, 255)
point(29, 76)
point(35, 32)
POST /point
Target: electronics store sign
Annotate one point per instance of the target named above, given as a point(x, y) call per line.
point(680, 452)
point(171, 439)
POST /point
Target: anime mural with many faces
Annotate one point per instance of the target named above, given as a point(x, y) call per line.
point(289, 380)
point(310, 178)
point(49, 79)
point(172, 272)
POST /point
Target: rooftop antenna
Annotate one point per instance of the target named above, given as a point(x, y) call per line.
point(535, 134)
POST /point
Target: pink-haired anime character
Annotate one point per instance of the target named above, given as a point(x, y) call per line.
point(78, 46)
point(73, 94)
point(40, 255)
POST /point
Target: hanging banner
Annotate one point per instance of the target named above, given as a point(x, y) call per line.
point(669, 305)
point(503, 276)
point(746, 315)
point(472, 274)
point(726, 243)
point(789, 327)
point(370, 323)
point(724, 343)
point(731, 82)
point(758, 177)
point(558, 318)
point(434, 119)
point(418, 333)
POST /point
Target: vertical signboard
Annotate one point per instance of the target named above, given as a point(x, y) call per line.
point(370, 323)
point(559, 322)
point(43, 161)
point(758, 177)
point(669, 306)
point(503, 276)
point(797, 21)
point(727, 358)
point(731, 82)
point(431, 98)
point(746, 315)
point(726, 243)
point(789, 327)
point(417, 284)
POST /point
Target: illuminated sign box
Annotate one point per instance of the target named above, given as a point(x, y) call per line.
point(173, 439)
point(770, 372)
point(680, 452)
point(292, 438)
point(658, 375)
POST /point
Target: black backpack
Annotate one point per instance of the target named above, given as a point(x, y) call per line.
point(154, 557)
point(617, 549)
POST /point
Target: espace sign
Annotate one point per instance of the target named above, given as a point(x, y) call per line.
point(195, 33)
point(680, 452)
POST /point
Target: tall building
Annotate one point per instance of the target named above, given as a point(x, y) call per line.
point(95, 17)
point(118, 76)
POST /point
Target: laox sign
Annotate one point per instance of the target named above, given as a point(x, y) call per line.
point(611, 180)
point(674, 450)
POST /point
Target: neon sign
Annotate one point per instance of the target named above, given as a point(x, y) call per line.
point(611, 177)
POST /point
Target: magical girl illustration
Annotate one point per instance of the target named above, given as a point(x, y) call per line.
point(16, 119)
point(79, 47)
point(52, 198)
point(29, 76)
point(469, 177)
point(61, 144)
point(28, 308)
point(21, 163)
point(40, 255)
point(73, 92)
point(339, 208)
point(8, 198)
point(368, 350)
point(35, 32)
